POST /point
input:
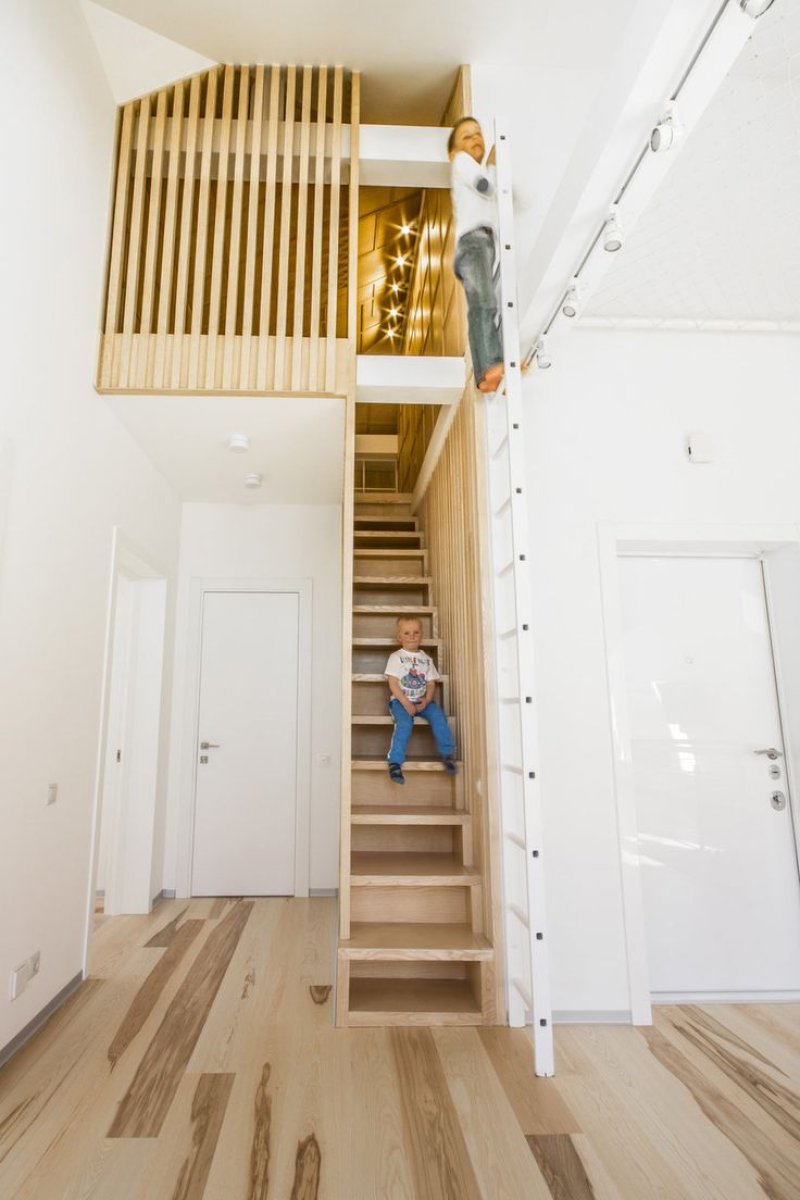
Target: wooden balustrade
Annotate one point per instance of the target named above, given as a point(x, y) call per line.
point(233, 214)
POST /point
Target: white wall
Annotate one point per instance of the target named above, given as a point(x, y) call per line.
point(74, 473)
point(605, 432)
point(267, 541)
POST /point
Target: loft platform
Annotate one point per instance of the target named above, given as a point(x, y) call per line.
point(395, 379)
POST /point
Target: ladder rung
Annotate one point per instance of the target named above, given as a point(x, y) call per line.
point(520, 914)
point(498, 512)
point(504, 570)
point(508, 633)
point(501, 445)
point(517, 840)
point(511, 767)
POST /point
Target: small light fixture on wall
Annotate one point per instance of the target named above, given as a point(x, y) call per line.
point(543, 359)
point(238, 442)
point(613, 237)
point(570, 306)
point(667, 131)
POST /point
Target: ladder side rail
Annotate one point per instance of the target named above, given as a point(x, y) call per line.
point(541, 1003)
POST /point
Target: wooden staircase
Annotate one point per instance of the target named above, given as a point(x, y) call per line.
point(416, 953)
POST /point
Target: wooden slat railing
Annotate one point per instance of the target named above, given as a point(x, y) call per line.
point(228, 267)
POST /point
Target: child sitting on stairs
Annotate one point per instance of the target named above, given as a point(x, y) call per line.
point(412, 677)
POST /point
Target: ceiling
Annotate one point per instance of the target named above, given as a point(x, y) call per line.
point(185, 438)
point(408, 53)
point(387, 229)
point(721, 239)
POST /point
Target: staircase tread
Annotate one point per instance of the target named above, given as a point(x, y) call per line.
point(384, 580)
point(393, 814)
point(394, 608)
point(383, 552)
point(372, 936)
point(368, 763)
point(406, 865)
point(431, 1001)
point(388, 639)
point(373, 678)
point(383, 719)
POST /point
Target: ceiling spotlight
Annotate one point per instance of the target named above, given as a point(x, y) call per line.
point(390, 333)
point(400, 261)
point(238, 442)
point(394, 287)
point(543, 359)
point(667, 131)
point(253, 479)
point(394, 313)
point(612, 233)
point(755, 8)
point(572, 301)
point(405, 230)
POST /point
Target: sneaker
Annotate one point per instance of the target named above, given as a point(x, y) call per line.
point(396, 773)
point(450, 767)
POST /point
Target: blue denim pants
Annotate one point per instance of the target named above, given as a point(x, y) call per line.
point(404, 723)
point(474, 259)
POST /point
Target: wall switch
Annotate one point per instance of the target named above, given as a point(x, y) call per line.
point(24, 973)
point(52, 793)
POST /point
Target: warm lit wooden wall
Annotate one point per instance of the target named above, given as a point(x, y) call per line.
point(435, 306)
point(452, 516)
point(228, 272)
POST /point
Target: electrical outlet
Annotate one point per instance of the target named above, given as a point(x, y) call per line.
point(35, 961)
point(52, 793)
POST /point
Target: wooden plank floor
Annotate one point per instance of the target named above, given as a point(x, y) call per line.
point(200, 1060)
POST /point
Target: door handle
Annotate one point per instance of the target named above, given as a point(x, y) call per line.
point(209, 746)
point(770, 752)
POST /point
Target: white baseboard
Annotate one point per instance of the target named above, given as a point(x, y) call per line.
point(779, 997)
point(601, 1016)
point(38, 1021)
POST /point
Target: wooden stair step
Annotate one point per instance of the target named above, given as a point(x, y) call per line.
point(389, 942)
point(405, 869)
point(379, 764)
point(375, 678)
point(412, 1002)
point(379, 719)
point(392, 580)
point(386, 639)
point(381, 552)
point(422, 609)
point(385, 524)
point(386, 814)
point(392, 536)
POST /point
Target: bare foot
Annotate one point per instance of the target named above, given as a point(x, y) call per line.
point(491, 379)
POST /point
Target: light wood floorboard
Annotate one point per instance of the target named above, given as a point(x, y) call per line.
point(204, 1040)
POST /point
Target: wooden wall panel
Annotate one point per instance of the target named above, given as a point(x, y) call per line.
point(436, 317)
point(229, 261)
point(452, 516)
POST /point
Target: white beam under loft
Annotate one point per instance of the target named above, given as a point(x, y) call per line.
point(403, 156)
point(394, 379)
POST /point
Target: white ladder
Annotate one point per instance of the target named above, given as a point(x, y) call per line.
point(527, 971)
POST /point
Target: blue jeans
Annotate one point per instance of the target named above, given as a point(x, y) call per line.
point(473, 264)
point(404, 723)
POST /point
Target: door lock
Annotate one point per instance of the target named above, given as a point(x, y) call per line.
point(203, 758)
point(778, 801)
point(774, 771)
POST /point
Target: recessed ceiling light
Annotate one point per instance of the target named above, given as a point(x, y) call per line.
point(253, 480)
point(238, 442)
point(400, 261)
point(405, 230)
point(394, 312)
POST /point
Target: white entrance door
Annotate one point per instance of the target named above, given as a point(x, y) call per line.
point(717, 858)
point(245, 801)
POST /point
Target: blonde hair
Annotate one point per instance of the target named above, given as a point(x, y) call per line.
point(408, 621)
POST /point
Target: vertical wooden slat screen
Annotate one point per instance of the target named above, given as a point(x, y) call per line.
point(229, 266)
point(452, 513)
point(333, 227)
point(319, 203)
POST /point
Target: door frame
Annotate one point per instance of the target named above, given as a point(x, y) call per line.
point(141, 676)
point(616, 541)
point(197, 589)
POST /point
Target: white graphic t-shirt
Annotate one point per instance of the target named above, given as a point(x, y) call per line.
point(413, 668)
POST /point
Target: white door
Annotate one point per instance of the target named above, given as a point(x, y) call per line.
point(717, 858)
point(245, 800)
